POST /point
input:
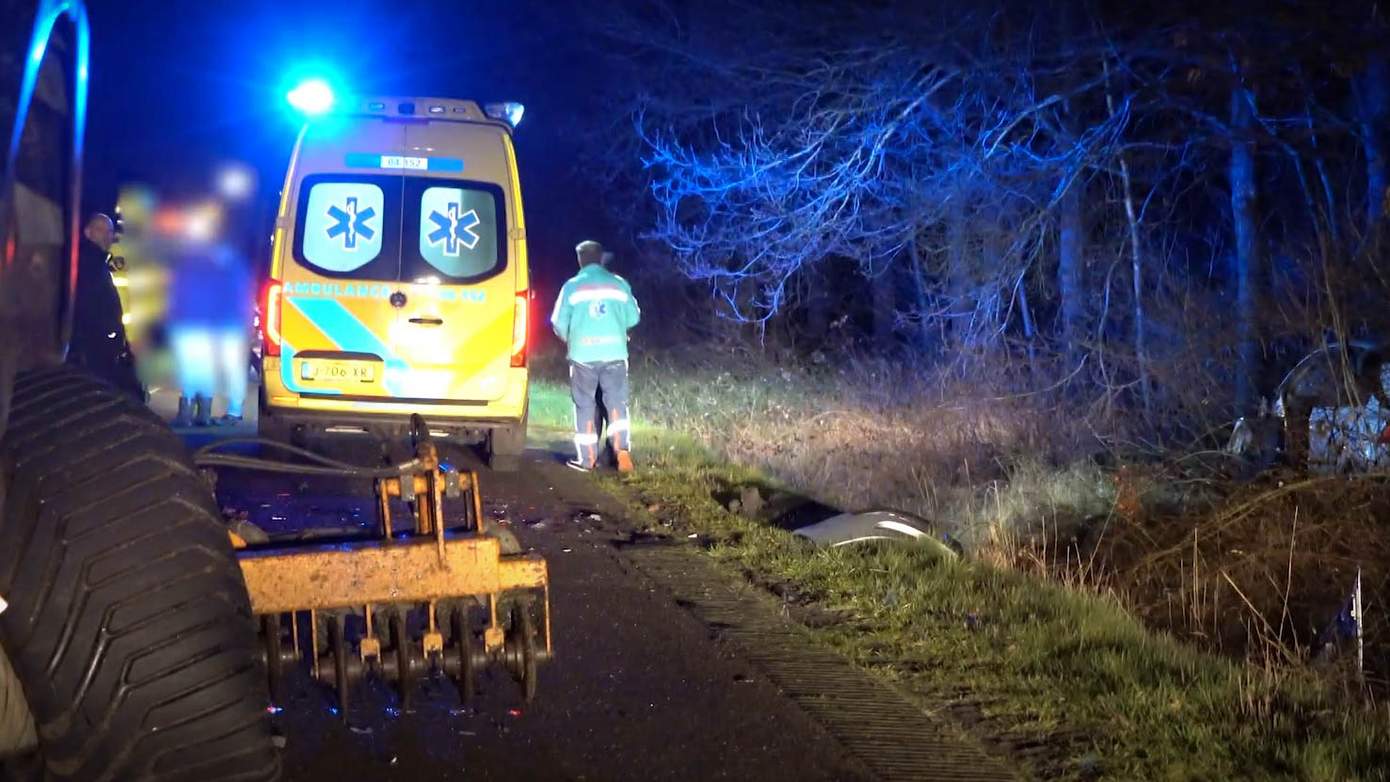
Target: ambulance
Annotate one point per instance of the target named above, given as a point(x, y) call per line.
point(398, 281)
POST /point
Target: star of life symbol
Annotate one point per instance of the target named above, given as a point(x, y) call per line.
point(349, 223)
point(454, 229)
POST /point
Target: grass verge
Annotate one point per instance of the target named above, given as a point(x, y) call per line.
point(1067, 682)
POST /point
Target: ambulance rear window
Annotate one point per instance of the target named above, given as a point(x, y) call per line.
point(460, 230)
point(349, 226)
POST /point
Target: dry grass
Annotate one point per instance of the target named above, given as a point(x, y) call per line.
point(1261, 571)
point(1066, 682)
point(980, 463)
point(1016, 477)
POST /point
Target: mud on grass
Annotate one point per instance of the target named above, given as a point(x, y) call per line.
point(1069, 684)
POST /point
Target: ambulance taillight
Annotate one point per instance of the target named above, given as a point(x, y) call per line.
point(270, 317)
point(520, 327)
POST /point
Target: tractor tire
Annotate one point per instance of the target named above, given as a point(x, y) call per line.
point(128, 627)
point(506, 444)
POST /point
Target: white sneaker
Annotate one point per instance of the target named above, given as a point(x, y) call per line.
point(575, 464)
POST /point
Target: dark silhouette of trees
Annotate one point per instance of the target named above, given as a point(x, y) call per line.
point(1152, 186)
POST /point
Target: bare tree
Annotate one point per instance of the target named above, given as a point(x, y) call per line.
point(976, 157)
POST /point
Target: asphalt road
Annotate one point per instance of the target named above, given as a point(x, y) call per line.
point(640, 689)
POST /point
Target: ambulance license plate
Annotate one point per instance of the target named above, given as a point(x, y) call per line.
point(408, 163)
point(337, 370)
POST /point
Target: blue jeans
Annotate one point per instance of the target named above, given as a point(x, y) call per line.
point(586, 380)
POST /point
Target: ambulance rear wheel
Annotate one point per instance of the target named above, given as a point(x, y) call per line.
point(129, 632)
point(506, 444)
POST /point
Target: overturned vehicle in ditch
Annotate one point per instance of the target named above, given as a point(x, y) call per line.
point(1330, 414)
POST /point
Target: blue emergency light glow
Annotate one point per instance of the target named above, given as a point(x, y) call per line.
point(510, 112)
point(312, 97)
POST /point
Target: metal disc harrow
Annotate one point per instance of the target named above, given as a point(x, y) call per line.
point(402, 604)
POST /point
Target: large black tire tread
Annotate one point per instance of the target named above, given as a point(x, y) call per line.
point(129, 625)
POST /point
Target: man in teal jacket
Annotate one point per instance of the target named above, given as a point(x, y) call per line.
point(592, 316)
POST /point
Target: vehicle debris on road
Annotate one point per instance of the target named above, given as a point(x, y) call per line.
point(847, 528)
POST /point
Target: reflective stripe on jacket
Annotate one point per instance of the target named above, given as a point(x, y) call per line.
point(593, 313)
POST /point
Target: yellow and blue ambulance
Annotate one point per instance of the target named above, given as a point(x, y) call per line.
point(399, 282)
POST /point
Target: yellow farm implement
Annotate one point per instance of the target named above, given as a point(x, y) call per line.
point(450, 598)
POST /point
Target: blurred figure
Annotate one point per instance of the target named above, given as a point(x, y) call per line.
point(144, 292)
point(98, 332)
point(209, 312)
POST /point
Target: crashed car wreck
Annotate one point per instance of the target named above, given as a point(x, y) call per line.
point(1330, 414)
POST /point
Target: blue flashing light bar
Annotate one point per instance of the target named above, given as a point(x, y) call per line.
point(509, 112)
point(312, 97)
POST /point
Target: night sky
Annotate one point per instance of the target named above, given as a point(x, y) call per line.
point(179, 87)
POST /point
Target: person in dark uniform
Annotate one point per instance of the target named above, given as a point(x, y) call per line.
point(98, 334)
